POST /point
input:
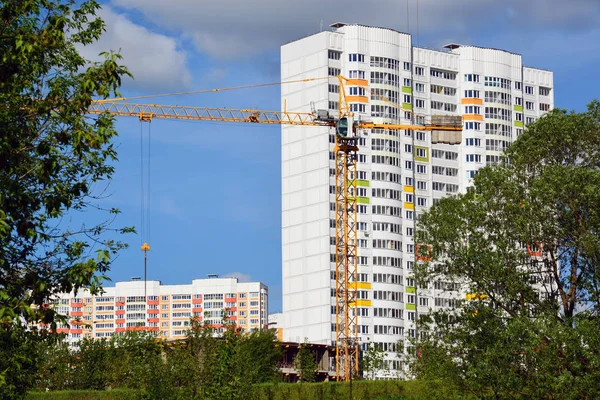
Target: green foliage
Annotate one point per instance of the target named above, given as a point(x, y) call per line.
point(373, 361)
point(383, 389)
point(226, 366)
point(206, 366)
point(533, 331)
point(118, 394)
point(306, 363)
point(51, 157)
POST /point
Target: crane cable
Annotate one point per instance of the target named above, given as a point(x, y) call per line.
point(145, 198)
point(223, 89)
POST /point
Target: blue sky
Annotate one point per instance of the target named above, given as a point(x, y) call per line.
point(215, 188)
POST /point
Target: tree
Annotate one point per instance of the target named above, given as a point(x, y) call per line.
point(525, 243)
point(373, 361)
point(52, 156)
point(306, 362)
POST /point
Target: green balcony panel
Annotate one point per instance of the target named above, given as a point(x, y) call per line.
point(406, 89)
point(411, 307)
point(411, 289)
point(407, 106)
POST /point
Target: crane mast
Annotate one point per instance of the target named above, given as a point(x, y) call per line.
point(346, 149)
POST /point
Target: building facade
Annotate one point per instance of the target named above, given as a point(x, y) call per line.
point(165, 309)
point(400, 173)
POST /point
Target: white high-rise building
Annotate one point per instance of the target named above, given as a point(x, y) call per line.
point(401, 173)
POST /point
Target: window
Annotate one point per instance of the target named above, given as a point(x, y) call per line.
point(408, 164)
point(442, 74)
point(472, 110)
point(357, 74)
point(421, 136)
point(518, 85)
point(420, 152)
point(356, 57)
point(356, 91)
point(421, 185)
point(333, 105)
point(544, 91)
point(408, 181)
point(407, 82)
point(493, 81)
point(471, 78)
point(406, 66)
point(421, 201)
point(529, 89)
point(407, 148)
point(358, 107)
point(518, 101)
point(419, 103)
point(473, 142)
point(334, 88)
point(472, 126)
point(529, 105)
point(420, 87)
point(334, 71)
point(421, 169)
point(419, 71)
point(472, 94)
point(473, 158)
point(544, 107)
point(334, 55)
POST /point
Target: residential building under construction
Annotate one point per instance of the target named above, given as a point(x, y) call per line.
point(400, 173)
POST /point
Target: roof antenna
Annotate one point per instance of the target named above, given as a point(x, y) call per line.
point(321, 29)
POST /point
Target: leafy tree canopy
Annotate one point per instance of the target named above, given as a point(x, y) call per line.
point(524, 240)
point(52, 156)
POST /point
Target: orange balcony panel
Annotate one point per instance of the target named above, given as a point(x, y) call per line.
point(232, 308)
point(357, 99)
point(152, 319)
point(471, 101)
point(62, 330)
point(120, 321)
point(232, 318)
point(120, 329)
point(76, 330)
point(230, 299)
point(76, 313)
point(196, 301)
point(153, 311)
point(79, 305)
point(472, 117)
point(75, 322)
point(120, 303)
point(357, 82)
point(197, 309)
point(153, 302)
point(152, 329)
point(120, 312)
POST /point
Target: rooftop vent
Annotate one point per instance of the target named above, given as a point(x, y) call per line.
point(213, 276)
point(136, 278)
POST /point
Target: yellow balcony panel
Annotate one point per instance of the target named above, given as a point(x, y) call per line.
point(357, 82)
point(357, 99)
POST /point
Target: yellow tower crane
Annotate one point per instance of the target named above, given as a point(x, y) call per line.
point(346, 148)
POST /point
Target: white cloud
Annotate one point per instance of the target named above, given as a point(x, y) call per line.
point(231, 28)
point(239, 275)
point(156, 61)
